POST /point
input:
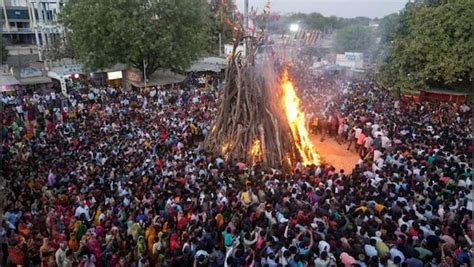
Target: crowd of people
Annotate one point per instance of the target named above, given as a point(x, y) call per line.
point(109, 177)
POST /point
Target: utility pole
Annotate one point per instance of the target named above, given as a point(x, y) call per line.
point(144, 71)
point(246, 24)
point(220, 44)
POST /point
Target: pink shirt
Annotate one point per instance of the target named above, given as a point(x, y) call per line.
point(347, 259)
point(361, 139)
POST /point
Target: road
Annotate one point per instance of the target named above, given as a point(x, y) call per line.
point(335, 154)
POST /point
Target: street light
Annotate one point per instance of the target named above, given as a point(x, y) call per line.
point(294, 27)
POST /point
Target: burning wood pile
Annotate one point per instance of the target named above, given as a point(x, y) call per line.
point(259, 118)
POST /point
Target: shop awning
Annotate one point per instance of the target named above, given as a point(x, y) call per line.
point(8, 83)
point(8, 80)
point(35, 80)
point(159, 78)
point(214, 64)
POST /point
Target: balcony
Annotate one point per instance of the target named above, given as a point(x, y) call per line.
point(17, 30)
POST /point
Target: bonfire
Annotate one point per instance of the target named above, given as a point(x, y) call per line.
point(260, 119)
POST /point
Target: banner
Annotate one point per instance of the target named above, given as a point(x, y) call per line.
point(30, 72)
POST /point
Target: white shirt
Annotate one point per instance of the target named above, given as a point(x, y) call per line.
point(385, 141)
point(19, 109)
point(395, 252)
point(91, 96)
point(323, 246)
point(370, 250)
point(80, 210)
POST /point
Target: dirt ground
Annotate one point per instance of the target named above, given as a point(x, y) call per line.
point(337, 155)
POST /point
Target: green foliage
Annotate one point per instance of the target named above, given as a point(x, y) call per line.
point(219, 11)
point(432, 44)
point(164, 33)
point(3, 51)
point(388, 27)
point(354, 38)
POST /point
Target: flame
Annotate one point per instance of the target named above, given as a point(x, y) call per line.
point(225, 147)
point(256, 149)
point(296, 120)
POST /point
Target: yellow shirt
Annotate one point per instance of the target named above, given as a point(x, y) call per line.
point(382, 248)
point(245, 197)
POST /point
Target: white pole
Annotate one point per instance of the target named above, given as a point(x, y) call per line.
point(144, 71)
point(220, 45)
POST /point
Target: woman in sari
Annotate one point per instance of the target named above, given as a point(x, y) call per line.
point(94, 247)
point(140, 249)
point(73, 243)
point(15, 252)
point(174, 242)
point(150, 236)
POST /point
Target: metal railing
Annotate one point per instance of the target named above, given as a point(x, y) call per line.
point(15, 29)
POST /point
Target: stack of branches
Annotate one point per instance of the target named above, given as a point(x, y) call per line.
point(251, 124)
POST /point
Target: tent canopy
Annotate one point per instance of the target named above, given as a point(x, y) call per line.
point(8, 80)
point(35, 80)
point(160, 77)
point(215, 64)
point(8, 83)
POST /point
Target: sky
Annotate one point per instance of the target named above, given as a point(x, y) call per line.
point(340, 8)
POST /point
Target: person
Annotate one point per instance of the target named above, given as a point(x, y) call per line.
point(123, 186)
point(60, 256)
point(20, 111)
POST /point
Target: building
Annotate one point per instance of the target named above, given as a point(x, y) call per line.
point(350, 60)
point(30, 25)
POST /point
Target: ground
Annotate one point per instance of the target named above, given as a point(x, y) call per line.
point(335, 154)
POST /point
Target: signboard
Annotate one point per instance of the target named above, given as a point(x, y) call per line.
point(114, 75)
point(30, 72)
point(350, 60)
point(73, 69)
point(134, 76)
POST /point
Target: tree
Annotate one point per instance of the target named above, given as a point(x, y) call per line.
point(60, 48)
point(3, 51)
point(326, 24)
point(316, 21)
point(160, 33)
point(220, 11)
point(354, 38)
point(433, 45)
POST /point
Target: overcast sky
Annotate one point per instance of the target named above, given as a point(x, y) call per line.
point(340, 8)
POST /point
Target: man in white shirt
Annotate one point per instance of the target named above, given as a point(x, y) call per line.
point(396, 253)
point(82, 209)
point(153, 93)
point(358, 131)
point(60, 255)
point(385, 141)
point(91, 96)
point(20, 111)
point(370, 249)
point(5, 99)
